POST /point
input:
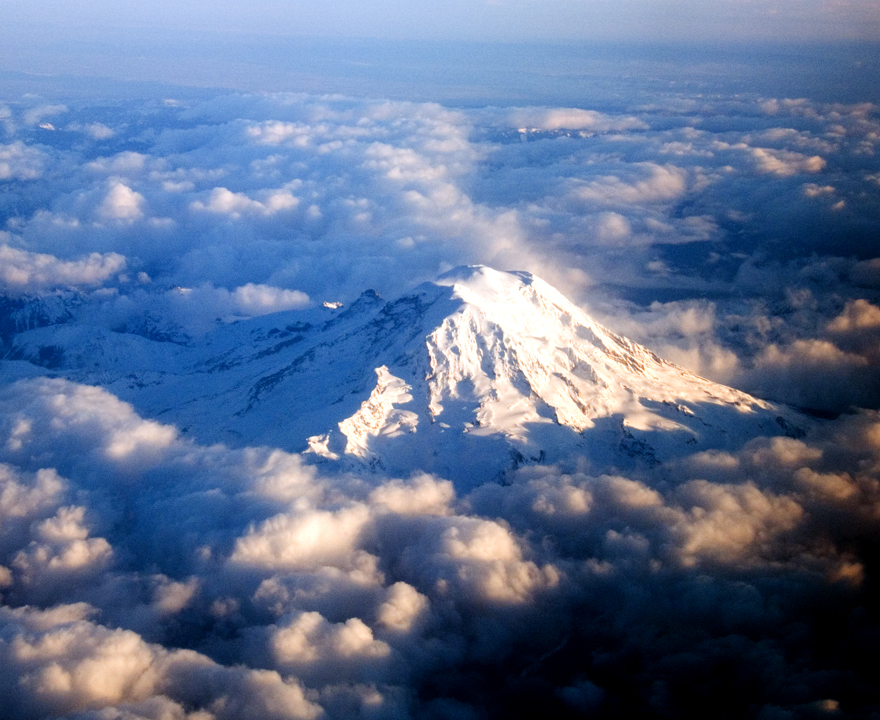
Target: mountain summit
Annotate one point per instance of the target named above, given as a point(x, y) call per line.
point(504, 370)
point(470, 376)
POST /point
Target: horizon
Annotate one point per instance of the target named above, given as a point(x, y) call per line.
point(494, 19)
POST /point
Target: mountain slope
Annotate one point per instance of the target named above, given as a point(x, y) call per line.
point(474, 374)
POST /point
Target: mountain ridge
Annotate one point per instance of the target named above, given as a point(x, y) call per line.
point(469, 376)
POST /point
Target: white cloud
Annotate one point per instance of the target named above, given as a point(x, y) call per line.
point(662, 184)
point(477, 558)
point(303, 540)
point(274, 133)
point(59, 663)
point(785, 162)
point(96, 417)
point(732, 523)
point(403, 608)
point(613, 228)
point(121, 203)
point(313, 647)
point(341, 585)
point(225, 202)
point(61, 551)
point(25, 499)
point(20, 162)
point(120, 164)
point(99, 131)
point(28, 272)
point(307, 590)
point(261, 299)
point(35, 115)
point(423, 495)
point(572, 119)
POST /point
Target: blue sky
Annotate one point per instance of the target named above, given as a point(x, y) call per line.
point(670, 20)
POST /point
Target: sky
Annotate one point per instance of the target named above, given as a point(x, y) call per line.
point(701, 178)
point(496, 20)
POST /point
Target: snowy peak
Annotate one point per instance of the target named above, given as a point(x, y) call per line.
point(500, 365)
point(468, 376)
point(516, 341)
point(479, 284)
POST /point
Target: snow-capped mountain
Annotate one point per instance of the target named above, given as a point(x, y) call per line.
point(470, 376)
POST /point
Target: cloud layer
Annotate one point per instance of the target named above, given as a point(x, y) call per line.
point(146, 576)
point(258, 203)
point(156, 577)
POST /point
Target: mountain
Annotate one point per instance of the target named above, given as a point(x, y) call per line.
point(19, 313)
point(470, 376)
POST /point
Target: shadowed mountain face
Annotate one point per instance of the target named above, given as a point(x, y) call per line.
point(470, 377)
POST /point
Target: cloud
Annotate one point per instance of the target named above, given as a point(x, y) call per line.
point(785, 163)
point(121, 203)
point(122, 163)
point(572, 119)
point(846, 378)
point(20, 162)
point(98, 131)
point(313, 648)
point(729, 524)
point(222, 201)
point(403, 608)
point(857, 315)
point(28, 272)
point(59, 662)
point(304, 540)
point(262, 299)
point(477, 558)
point(304, 593)
point(420, 186)
point(60, 553)
point(423, 495)
point(35, 115)
point(663, 183)
point(107, 426)
point(145, 575)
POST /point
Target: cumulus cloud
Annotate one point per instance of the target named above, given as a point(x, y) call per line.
point(663, 183)
point(572, 119)
point(424, 187)
point(20, 162)
point(86, 413)
point(302, 540)
point(59, 662)
point(121, 203)
point(262, 299)
point(98, 131)
point(403, 608)
point(224, 202)
point(28, 272)
point(304, 593)
point(785, 163)
point(857, 315)
point(816, 373)
point(708, 227)
point(311, 647)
